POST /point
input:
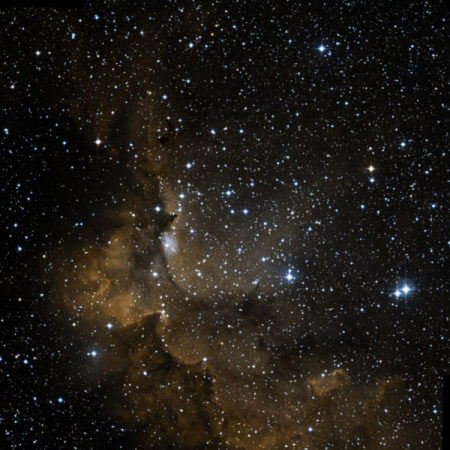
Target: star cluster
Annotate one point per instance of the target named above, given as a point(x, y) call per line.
point(225, 225)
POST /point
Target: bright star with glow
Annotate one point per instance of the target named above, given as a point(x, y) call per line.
point(322, 48)
point(289, 276)
point(98, 141)
point(397, 293)
point(406, 289)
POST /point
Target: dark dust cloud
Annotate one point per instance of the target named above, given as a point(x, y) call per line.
point(225, 225)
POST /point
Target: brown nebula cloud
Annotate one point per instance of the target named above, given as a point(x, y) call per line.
point(214, 368)
point(231, 358)
point(210, 208)
point(213, 371)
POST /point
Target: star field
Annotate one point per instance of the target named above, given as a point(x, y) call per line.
point(225, 225)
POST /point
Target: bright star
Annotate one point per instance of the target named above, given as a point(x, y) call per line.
point(397, 293)
point(406, 289)
point(98, 141)
point(322, 48)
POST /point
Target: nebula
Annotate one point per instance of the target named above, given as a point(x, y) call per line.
point(225, 226)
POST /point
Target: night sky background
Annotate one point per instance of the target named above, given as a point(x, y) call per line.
point(224, 225)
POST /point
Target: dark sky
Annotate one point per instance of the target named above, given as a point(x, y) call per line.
point(225, 225)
